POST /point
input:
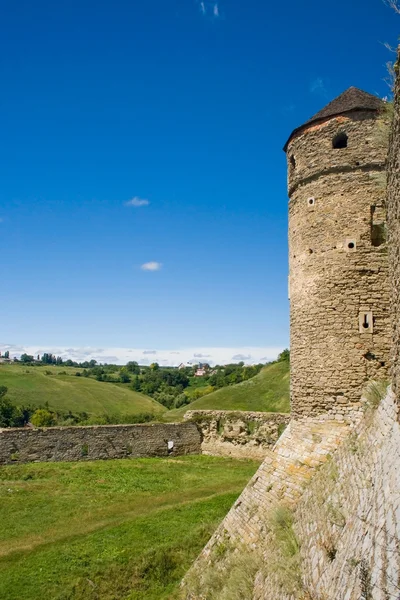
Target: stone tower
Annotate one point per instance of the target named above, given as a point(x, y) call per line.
point(338, 267)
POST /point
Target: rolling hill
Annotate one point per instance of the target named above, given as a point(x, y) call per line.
point(268, 391)
point(32, 386)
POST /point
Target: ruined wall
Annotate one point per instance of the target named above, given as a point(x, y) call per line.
point(98, 442)
point(339, 286)
point(393, 214)
point(236, 433)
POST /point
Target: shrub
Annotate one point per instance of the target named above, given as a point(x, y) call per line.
point(43, 418)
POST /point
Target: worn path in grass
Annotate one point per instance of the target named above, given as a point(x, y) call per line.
point(31, 386)
point(110, 529)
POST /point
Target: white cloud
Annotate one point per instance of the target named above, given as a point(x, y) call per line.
point(136, 201)
point(149, 351)
point(318, 86)
point(208, 7)
point(151, 266)
point(171, 357)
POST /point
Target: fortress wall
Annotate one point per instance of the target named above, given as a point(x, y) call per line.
point(338, 264)
point(236, 433)
point(393, 213)
point(97, 442)
point(341, 485)
point(348, 520)
point(281, 479)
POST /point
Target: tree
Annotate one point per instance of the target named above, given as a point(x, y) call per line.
point(11, 415)
point(284, 355)
point(25, 358)
point(136, 384)
point(124, 377)
point(133, 367)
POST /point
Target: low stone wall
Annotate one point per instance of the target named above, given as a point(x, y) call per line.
point(236, 433)
point(98, 442)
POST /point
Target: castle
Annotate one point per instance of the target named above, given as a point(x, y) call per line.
point(320, 519)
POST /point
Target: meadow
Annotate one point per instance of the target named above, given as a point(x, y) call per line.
point(58, 386)
point(107, 530)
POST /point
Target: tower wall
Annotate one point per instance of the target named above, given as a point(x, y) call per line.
point(338, 267)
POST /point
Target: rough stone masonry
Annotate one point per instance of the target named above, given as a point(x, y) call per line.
point(338, 266)
point(98, 442)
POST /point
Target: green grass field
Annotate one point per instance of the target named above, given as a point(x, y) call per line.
point(108, 530)
point(31, 386)
point(267, 391)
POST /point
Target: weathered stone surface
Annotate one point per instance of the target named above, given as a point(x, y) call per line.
point(347, 521)
point(338, 263)
point(236, 433)
point(98, 442)
point(393, 213)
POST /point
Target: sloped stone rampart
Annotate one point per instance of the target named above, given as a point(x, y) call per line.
point(348, 520)
point(281, 479)
point(98, 442)
point(236, 433)
point(341, 483)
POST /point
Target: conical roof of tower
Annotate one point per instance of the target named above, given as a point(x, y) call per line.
point(350, 100)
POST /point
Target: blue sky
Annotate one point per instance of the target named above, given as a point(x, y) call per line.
point(183, 104)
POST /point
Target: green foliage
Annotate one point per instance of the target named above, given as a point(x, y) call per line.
point(231, 374)
point(200, 392)
point(110, 529)
point(267, 391)
point(10, 415)
point(375, 391)
point(133, 367)
point(284, 355)
point(43, 418)
point(26, 358)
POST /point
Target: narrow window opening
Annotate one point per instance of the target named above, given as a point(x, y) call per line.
point(378, 225)
point(293, 161)
point(378, 234)
point(366, 322)
point(311, 201)
point(351, 245)
point(340, 140)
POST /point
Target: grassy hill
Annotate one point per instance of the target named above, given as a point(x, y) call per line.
point(268, 391)
point(32, 386)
